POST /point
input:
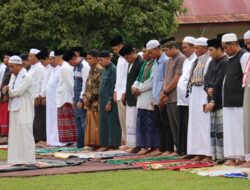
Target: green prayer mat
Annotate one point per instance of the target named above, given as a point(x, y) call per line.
point(57, 149)
point(150, 159)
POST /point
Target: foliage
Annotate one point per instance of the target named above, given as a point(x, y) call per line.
point(89, 23)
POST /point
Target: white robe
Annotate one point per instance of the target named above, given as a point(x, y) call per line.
point(199, 141)
point(233, 132)
point(131, 116)
point(51, 108)
point(21, 145)
point(233, 127)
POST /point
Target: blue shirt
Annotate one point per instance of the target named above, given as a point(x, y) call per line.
point(158, 77)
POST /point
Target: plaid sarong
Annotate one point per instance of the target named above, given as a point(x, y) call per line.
point(66, 123)
point(4, 119)
point(216, 134)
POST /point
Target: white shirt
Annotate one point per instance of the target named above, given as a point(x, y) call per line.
point(84, 75)
point(121, 77)
point(37, 72)
point(2, 71)
point(18, 86)
point(65, 86)
point(183, 81)
point(47, 73)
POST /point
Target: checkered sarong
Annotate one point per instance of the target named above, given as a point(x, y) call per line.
point(4, 119)
point(66, 123)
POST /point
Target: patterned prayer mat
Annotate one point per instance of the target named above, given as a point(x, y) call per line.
point(40, 164)
point(52, 150)
point(147, 159)
point(92, 155)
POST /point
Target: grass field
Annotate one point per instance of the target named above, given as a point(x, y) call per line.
point(124, 180)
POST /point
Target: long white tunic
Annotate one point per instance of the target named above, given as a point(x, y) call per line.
point(233, 125)
point(121, 77)
point(46, 76)
point(21, 145)
point(51, 108)
point(183, 81)
point(37, 73)
point(65, 87)
point(198, 121)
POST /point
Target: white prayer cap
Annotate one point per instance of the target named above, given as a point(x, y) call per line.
point(152, 44)
point(189, 39)
point(200, 41)
point(15, 60)
point(34, 51)
point(52, 54)
point(247, 35)
point(231, 37)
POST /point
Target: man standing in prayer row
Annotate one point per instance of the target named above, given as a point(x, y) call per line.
point(213, 82)
point(147, 135)
point(64, 98)
point(135, 62)
point(161, 119)
point(169, 93)
point(36, 72)
point(182, 100)
point(4, 116)
point(52, 133)
point(109, 125)
point(120, 85)
point(80, 73)
point(43, 57)
point(46, 61)
point(21, 145)
point(246, 103)
point(90, 100)
point(233, 95)
point(199, 121)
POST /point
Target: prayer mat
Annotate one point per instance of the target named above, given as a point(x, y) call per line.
point(3, 147)
point(113, 161)
point(132, 157)
point(44, 151)
point(159, 164)
point(222, 171)
point(86, 167)
point(237, 175)
point(91, 155)
point(40, 164)
point(189, 165)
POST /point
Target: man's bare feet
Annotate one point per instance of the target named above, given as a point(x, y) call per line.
point(143, 151)
point(155, 152)
point(167, 153)
point(230, 162)
point(198, 158)
point(103, 148)
point(246, 164)
point(207, 159)
point(132, 150)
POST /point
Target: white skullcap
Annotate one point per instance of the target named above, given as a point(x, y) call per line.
point(200, 41)
point(34, 51)
point(229, 38)
point(247, 35)
point(189, 39)
point(52, 54)
point(15, 60)
point(152, 44)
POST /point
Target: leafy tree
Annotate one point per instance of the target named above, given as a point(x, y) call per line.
point(90, 23)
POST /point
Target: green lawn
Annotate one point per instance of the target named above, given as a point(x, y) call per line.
point(125, 180)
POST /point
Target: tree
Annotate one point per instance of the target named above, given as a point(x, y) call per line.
point(90, 23)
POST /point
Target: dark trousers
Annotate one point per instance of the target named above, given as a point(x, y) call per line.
point(173, 116)
point(39, 125)
point(183, 126)
point(162, 124)
point(80, 121)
